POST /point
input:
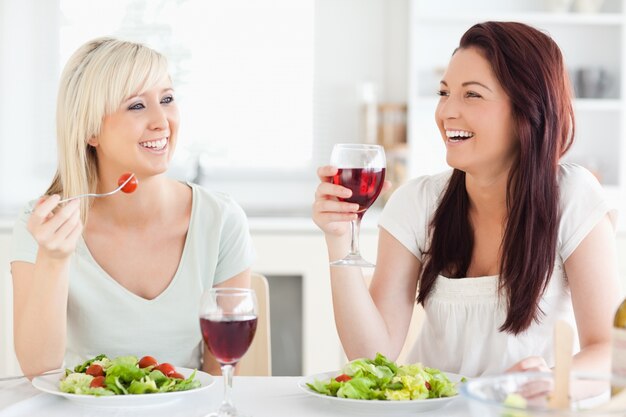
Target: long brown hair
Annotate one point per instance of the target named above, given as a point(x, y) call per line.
point(529, 66)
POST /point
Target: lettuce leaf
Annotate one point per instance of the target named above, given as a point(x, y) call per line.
point(83, 367)
point(77, 383)
point(143, 386)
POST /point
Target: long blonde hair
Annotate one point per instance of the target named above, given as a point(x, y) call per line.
point(97, 78)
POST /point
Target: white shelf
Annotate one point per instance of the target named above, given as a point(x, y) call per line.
point(528, 17)
point(580, 104)
point(601, 104)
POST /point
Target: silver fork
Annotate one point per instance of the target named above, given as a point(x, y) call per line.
point(16, 377)
point(132, 175)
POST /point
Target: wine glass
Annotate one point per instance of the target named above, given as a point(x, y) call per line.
point(361, 168)
point(228, 320)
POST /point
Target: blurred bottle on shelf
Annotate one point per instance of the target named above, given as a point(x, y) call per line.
point(558, 6)
point(392, 136)
point(592, 82)
point(392, 125)
point(588, 6)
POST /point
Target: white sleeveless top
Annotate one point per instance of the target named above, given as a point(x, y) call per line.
point(460, 333)
point(105, 317)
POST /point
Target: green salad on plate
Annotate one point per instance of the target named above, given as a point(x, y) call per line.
point(125, 375)
point(382, 379)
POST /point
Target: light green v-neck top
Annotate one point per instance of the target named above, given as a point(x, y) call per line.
point(105, 317)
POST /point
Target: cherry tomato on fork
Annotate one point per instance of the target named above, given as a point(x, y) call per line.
point(132, 184)
point(147, 361)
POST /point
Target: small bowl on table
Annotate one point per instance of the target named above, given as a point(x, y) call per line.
point(526, 394)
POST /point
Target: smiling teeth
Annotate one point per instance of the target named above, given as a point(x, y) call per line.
point(459, 133)
point(155, 144)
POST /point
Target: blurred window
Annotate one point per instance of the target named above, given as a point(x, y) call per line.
point(242, 70)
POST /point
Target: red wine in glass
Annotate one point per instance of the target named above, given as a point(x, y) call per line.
point(228, 338)
point(365, 183)
point(361, 168)
point(228, 321)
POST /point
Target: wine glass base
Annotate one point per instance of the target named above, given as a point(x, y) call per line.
point(226, 411)
point(353, 260)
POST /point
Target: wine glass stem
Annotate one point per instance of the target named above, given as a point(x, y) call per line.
point(227, 373)
point(356, 229)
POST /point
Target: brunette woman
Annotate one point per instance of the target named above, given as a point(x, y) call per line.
point(498, 248)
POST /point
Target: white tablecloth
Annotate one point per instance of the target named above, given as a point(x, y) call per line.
point(253, 396)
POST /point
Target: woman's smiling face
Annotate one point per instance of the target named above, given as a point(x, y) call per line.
point(475, 117)
point(141, 135)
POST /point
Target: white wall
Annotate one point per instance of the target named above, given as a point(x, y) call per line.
point(28, 78)
point(357, 41)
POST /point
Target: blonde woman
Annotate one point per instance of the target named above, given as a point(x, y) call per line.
point(121, 274)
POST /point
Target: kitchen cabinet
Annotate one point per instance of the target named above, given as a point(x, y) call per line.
point(593, 46)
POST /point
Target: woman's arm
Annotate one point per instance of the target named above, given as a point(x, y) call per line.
point(593, 277)
point(40, 290)
point(241, 280)
point(368, 320)
point(378, 319)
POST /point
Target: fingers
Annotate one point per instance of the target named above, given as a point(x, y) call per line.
point(530, 364)
point(329, 190)
point(56, 231)
point(327, 209)
point(536, 388)
point(331, 206)
point(68, 226)
point(386, 186)
point(43, 208)
point(326, 172)
point(60, 217)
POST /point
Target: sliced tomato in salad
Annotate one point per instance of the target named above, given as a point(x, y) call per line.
point(343, 378)
point(97, 382)
point(95, 370)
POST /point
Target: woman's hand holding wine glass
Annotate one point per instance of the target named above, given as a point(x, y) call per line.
point(349, 187)
point(329, 213)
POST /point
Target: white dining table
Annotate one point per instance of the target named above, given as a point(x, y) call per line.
point(253, 396)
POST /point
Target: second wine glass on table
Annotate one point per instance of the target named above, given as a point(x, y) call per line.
point(228, 320)
point(361, 168)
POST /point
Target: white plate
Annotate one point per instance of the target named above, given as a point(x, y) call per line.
point(376, 406)
point(50, 384)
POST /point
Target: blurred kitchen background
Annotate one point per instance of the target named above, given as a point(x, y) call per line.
point(266, 87)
